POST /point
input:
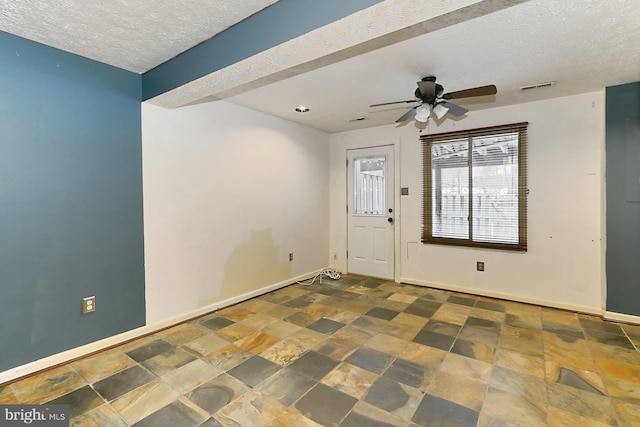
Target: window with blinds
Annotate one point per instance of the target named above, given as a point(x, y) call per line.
point(475, 187)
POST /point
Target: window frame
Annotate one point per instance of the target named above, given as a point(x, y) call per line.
point(427, 209)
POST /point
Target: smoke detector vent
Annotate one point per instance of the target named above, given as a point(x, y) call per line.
point(538, 86)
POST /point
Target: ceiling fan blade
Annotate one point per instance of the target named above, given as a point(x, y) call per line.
point(427, 89)
point(394, 102)
point(407, 115)
point(454, 109)
point(467, 93)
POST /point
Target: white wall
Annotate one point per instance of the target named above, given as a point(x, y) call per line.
point(563, 266)
point(228, 194)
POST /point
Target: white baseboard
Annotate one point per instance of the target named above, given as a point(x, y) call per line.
point(620, 317)
point(84, 350)
point(598, 311)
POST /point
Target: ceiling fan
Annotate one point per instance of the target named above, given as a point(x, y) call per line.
point(431, 97)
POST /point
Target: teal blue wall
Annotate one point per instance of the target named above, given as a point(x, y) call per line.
point(623, 198)
point(70, 201)
point(270, 27)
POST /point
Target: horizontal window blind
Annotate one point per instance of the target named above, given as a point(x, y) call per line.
point(475, 187)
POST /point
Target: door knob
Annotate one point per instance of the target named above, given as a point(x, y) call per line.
point(389, 219)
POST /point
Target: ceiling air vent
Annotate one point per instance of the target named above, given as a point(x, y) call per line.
point(538, 86)
point(359, 119)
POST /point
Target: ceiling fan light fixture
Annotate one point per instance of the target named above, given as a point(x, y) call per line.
point(422, 113)
point(440, 110)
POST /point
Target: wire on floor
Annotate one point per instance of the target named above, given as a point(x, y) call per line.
point(327, 271)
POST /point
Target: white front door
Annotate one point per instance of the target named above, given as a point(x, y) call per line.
point(371, 212)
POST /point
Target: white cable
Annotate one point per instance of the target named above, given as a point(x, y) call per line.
point(327, 271)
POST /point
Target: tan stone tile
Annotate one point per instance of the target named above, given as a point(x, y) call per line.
point(423, 355)
point(256, 305)
point(168, 361)
point(280, 311)
point(319, 311)
point(228, 357)
point(182, 334)
point(466, 367)
point(522, 309)
point(350, 379)
point(207, 344)
point(400, 331)
point(400, 297)
point(571, 353)
point(560, 316)
point(338, 348)
point(9, 399)
point(236, 314)
point(48, 385)
point(452, 313)
point(308, 337)
point(378, 415)
point(102, 365)
point(614, 353)
point(485, 420)
point(257, 343)
point(521, 321)
point(628, 413)
point(387, 344)
point(627, 391)
point(191, 375)
point(235, 332)
point(144, 401)
point(481, 313)
point(517, 383)
point(393, 305)
point(474, 350)
point(357, 307)
point(293, 418)
point(258, 322)
point(102, 416)
point(516, 410)
point(354, 334)
point(553, 372)
point(527, 364)
point(561, 418)
point(409, 320)
point(459, 389)
point(139, 342)
point(618, 370)
point(251, 409)
point(521, 340)
point(281, 329)
point(581, 402)
point(301, 318)
point(344, 316)
point(286, 352)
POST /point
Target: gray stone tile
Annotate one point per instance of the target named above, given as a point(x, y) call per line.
point(173, 415)
point(608, 338)
point(423, 307)
point(387, 394)
point(123, 382)
point(478, 323)
point(442, 328)
point(80, 401)
point(561, 329)
point(601, 325)
point(370, 360)
point(325, 405)
point(255, 370)
point(406, 372)
point(326, 326)
point(217, 323)
point(150, 350)
point(358, 420)
point(314, 365)
point(434, 411)
point(570, 378)
point(489, 305)
point(433, 339)
point(382, 313)
point(217, 393)
point(286, 386)
point(470, 302)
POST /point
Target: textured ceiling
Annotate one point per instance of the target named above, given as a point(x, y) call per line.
point(129, 34)
point(375, 55)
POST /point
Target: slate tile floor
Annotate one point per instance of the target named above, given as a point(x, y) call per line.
point(358, 352)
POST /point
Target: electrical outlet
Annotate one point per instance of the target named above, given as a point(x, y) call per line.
point(480, 265)
point(88, 305)
point(290, 256)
